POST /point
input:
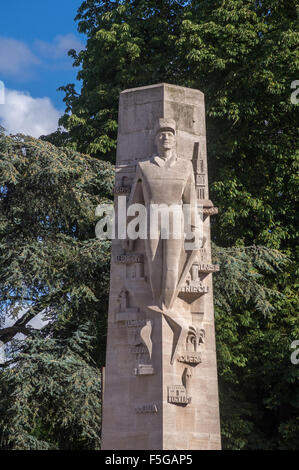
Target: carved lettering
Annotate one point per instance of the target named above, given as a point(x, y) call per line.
point(190, 358)
point(144, 369)
point(146, 408)
point(177, 394)
point(129, 259)
point(122, 189)
point(180, 399)
point(195, 288)
point(208, 210)
point(208, 268)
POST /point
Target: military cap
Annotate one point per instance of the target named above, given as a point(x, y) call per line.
point(164, 124)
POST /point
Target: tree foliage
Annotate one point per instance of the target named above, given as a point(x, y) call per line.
point(255, 326)
point(51, 395)
point(52, 264)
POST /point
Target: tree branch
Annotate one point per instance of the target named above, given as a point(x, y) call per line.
point(14, 329)
point(6, 334)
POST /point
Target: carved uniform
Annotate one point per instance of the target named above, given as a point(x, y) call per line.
point(160, 181)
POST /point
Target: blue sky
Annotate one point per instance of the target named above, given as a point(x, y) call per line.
point(34, 38)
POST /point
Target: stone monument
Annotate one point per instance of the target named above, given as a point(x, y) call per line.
point(161, 387)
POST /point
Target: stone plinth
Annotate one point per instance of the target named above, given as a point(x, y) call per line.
point(161, 387)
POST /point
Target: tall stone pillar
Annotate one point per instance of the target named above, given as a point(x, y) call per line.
point(161, 374)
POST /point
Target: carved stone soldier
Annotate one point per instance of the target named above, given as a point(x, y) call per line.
point(165, 179)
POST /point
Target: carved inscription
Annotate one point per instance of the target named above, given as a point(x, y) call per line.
point(146, 408)
point(192, 289)
point(177, 394)
point(190, 358)
point(122, 189)
point(208, 268)
point(195, 288)
point(209, 210)
point(130, 258)
point(144, 369)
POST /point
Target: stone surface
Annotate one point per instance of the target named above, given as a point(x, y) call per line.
point(161, 387)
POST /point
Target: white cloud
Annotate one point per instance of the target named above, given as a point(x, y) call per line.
point(15, 58)
point(60, 46)
point(24, 114)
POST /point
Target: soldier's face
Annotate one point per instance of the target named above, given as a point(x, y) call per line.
point(165, 140)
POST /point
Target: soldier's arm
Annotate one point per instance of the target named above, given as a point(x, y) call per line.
point(189, 197)
point(136, 195)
